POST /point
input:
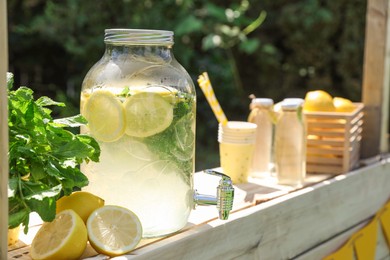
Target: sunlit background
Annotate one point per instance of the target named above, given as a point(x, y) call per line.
point(270, 48)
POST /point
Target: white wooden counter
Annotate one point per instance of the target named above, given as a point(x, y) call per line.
point(270, 221)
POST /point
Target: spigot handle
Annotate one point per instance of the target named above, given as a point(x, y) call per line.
point(225, 194)
point(219, 174)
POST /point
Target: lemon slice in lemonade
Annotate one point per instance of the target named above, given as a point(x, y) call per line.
point(105, 115)
point(63, 238)
point(147, 114)
point(114, 230)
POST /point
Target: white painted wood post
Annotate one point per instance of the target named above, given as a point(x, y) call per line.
point(376, 70)
point(3, 131)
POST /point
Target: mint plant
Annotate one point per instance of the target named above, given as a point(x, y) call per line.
point(44, 156)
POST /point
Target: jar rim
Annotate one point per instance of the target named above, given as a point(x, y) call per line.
point(138, 36)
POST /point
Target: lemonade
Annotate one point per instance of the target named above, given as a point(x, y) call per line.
point(147, 139)
point(290, 144)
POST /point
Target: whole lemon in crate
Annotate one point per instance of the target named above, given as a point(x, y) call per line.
point(82, 202)
point(318, 100)
point(343, 104)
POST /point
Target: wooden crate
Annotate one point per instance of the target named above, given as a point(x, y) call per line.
point(333, 140)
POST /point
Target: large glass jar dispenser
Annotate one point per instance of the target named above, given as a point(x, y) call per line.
point(140, 105)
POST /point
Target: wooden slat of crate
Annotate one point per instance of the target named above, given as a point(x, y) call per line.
point(325, 150)
point(325, 160)
point(323, 168)
point(335, 115)
point(319, 142)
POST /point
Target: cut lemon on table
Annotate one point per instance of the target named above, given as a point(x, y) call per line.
point(147, 114)
point(63, 238)
point(105, 115)
point(343, 104)
point(114, 230)
point(318, 100)
point(82, 202)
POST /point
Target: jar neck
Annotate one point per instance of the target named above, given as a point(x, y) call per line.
point(147, 45)
point(144, 52)
point(138, 37)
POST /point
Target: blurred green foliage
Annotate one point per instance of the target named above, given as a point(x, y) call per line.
point(269, 48)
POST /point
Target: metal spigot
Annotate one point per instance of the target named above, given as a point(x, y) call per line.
point(224, 197)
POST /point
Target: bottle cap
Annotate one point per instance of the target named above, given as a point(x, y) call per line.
point(263, 102)
point(291, 103)
point(299, 100)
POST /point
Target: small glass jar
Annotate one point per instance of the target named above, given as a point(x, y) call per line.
point(140, 104)
point(290, 144)
point(261, 115)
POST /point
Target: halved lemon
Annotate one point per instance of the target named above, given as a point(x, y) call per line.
point(114, 230)
point(82, 202)
point(63, 238)
point(343, 104)
point(147, 114)
point(105, 115)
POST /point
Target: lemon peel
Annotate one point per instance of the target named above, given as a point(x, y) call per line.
point(343, 104)
point(82, 202)
point(318, 101)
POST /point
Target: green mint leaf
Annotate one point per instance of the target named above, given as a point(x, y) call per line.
point(93, 146)
point(10, 80)
point(125, 92)
point(17, 215)
point(74, 121)
point(46, 101)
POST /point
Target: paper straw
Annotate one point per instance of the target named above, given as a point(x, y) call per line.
point(205, 85)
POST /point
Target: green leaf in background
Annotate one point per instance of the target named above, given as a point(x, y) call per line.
point(249, 46)
point(188, 25)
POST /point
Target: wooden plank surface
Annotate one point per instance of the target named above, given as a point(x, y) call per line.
point(3, 131)
point(271, 221)
point(376, 71)
point(284, 227)
point(246, 195)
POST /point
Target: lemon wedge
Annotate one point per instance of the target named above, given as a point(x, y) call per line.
point(114, 230)
point(318, 100)
point(105, 115)
point(82, 202)
point(343, 104)
point(147, 114)
point(63, 238)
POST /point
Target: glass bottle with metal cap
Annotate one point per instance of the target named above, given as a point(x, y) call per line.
point(290, 144)
point(261, 114)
